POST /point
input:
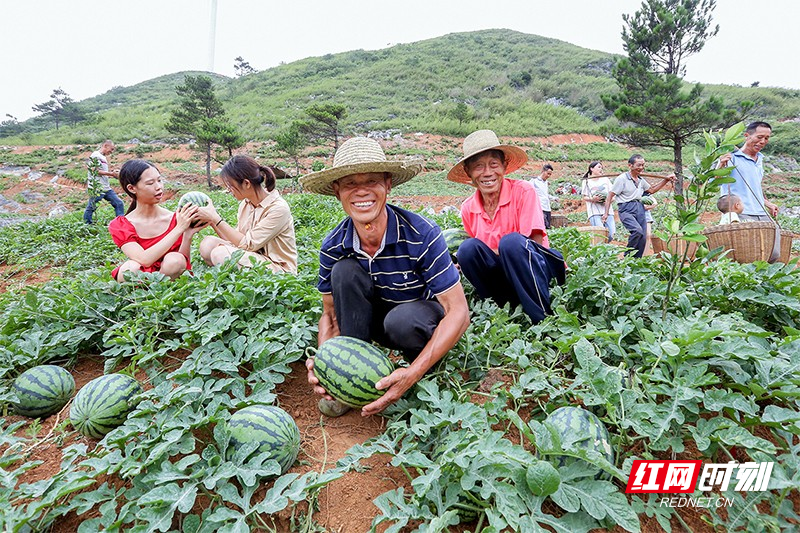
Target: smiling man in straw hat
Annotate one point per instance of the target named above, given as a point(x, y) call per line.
point(385, 273)
point(508, 259)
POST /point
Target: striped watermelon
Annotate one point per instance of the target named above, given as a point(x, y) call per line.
point(103, 404)
point(648, 200)
point(602, 195)
point(200, 199)
point(43, 390)
point(453, 237)
point(583, 428)
point(349, 368)
point(271, 426)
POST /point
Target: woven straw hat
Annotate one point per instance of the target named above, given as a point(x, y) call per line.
point(360, 155)
point(480, 141)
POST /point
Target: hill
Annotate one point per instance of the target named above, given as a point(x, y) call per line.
point(514, 83)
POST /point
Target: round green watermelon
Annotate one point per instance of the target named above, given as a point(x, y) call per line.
point(103, 404)
point(348, 369)
point(43, 390)
point(453, 237)
point(271, 427)
point(601, 195)
point(648, 200)
point(200, 199)
point(197, 198)
point(583, 428)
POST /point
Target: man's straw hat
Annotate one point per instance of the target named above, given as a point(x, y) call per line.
point(480, 141)
point(360, 155)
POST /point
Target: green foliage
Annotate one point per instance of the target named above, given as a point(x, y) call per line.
point(291, 142)
point(716, 372)
point(324, 124)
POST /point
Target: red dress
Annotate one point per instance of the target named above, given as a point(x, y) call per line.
point(122, 232)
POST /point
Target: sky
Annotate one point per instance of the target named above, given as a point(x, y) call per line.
point(87, 47)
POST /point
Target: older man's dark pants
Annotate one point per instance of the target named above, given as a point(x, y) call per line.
point(632, 215)
point(520, 274)
point(360, 313)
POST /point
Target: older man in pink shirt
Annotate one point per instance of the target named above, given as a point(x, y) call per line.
point(509, 259)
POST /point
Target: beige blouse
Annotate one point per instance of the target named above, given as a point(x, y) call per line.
point(268, 230)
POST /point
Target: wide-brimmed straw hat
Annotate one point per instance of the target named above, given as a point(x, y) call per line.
point(360, 155)
point(480, 141)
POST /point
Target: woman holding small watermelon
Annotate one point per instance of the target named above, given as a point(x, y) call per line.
point(595, 189)
point(153, 238)
point(508, 259)
point(265, 227)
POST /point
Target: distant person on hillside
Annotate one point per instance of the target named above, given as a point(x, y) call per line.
point(97, 182)
point(628, 187)
point(153, 238)
point(594, 191)
point(748, 171)
point(508, 259)
point(385, 273)
point(731, 207)
point(264, 228)
point(540, 184)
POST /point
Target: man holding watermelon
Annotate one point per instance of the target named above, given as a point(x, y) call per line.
point(385, 273)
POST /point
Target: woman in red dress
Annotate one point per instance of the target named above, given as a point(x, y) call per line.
point(153, 238)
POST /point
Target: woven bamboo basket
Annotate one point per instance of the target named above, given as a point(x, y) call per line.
point(675, 246)
point(749, 241)
point(559, 221)
point(597, 234)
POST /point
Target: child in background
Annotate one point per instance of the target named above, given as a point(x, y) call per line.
point(731, 206)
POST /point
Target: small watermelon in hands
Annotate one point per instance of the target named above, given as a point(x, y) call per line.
point(200, 199)
point(271, 427)
point(43, 390)
point(103, 404)
point(348, 369)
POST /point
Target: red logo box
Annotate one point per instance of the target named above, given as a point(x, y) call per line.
point(667, 477)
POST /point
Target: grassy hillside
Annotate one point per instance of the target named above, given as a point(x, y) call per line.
point(515, 83)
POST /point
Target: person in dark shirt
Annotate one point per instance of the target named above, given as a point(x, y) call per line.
point(385, 273)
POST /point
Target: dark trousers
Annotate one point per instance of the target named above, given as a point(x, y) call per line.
point(631, 214)
point(111, 196)
point(547, 218)
point(360, 313)
point(520, 273)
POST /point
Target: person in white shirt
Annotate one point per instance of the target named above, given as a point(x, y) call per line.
point(97, 182)
point(594, 191)
point(540, 184)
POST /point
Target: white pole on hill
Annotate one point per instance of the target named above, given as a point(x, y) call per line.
point(212, 36)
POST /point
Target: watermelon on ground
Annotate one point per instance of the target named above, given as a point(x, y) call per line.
point(43, 390)
point(453, 237)
point(271, 427)
point(348, 369)
point(583, 429)
point(103, 404)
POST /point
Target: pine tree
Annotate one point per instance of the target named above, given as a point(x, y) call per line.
point(654, 106)
point(200, 116)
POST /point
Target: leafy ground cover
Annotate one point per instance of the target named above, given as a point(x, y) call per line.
point(716, 379)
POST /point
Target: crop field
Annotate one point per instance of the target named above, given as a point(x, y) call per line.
point(714, 377)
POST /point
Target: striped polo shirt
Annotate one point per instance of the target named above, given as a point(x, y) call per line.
point(411, 264)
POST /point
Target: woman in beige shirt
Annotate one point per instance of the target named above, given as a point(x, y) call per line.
point(265, 227)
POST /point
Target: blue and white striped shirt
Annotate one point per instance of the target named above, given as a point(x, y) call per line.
point(411, 264)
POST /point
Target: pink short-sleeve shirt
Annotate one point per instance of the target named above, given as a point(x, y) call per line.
point(519, 211)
